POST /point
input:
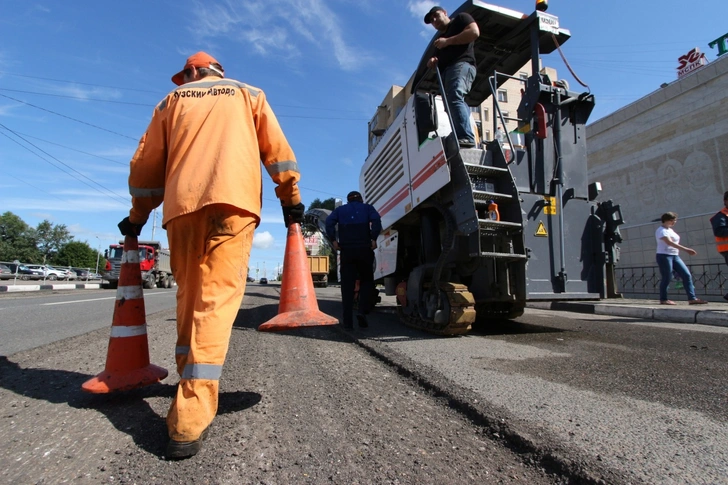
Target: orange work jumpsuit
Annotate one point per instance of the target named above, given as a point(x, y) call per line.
point(201, 156)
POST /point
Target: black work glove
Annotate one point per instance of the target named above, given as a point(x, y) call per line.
point(293, 213)
point(128, 228)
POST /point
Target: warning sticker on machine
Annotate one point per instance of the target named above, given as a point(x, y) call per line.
point(541, 230)
point(549, 205)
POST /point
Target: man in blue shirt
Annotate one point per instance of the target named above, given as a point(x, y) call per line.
point(359, 226)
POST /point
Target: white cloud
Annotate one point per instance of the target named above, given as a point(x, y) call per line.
point(263, 240)
point(418, 8)
point(279, 29)
point(84, 93)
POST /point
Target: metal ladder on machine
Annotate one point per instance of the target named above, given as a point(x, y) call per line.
point(491, 164)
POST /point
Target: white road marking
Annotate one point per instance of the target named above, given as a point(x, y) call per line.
point(99, 299)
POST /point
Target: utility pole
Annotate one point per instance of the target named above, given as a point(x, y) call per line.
point(98, 255)
point(154, 222)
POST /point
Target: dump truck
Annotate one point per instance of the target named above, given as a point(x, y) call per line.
point(319, 266)
point(154, 264)
point(471, 234)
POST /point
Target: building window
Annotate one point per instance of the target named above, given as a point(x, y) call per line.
point(506, 115)
point(487, 135)
point(523, 76)
point(485, 114)
point(475, 109)
point(502, 96)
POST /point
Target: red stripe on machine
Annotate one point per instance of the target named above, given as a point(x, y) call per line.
point(396, 199)
point(429, 169)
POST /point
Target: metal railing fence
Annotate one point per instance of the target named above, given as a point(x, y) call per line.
point(709, 279)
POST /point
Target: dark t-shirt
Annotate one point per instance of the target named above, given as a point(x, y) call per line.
point(456, 53)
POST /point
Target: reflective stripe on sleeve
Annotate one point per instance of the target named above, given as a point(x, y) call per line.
point(202, 371)
point(182, 350)
point(279, 167)
point(128, 331)
point(139, 192)
point(129, 293)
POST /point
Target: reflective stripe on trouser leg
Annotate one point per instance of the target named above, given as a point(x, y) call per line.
point(209, 252)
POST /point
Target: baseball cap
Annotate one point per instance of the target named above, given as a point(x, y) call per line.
point(200, 59)
point(428, 17)
point(354, 195)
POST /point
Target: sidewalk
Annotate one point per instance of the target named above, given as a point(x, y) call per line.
point(714, 313)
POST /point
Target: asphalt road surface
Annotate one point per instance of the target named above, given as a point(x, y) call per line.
point(551, 398)
point(32, 319)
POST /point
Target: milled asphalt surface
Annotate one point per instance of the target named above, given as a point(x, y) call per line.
point(565, 420)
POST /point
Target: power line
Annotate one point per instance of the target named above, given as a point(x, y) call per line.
point(68, 117)
point(125, 201)
point(67, 96)
point(319, 108)
point(75, 150)
point(29, 184)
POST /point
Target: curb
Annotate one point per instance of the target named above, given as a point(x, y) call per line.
point(65, 286)
point(679, 315)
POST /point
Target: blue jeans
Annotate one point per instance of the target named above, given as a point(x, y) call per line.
point(459, 78)
point(667, 263)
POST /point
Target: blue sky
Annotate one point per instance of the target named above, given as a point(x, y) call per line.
point(79, 81)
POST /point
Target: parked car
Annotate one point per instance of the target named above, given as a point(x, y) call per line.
point(68, 272)
point(49, 272)
point(82, 273)
point(6, 273)
point(24, 272)
point(250, 279)
point(264, 281)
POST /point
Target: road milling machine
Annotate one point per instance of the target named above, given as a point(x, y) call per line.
point(446, 252)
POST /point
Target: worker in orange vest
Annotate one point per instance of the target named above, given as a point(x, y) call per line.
point(201, 156)
point(720, 231)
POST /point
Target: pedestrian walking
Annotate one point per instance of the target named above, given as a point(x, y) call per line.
point(201, 156)
point(359, 226)
point(455, 58)
point(720, 230)
point(668, 259)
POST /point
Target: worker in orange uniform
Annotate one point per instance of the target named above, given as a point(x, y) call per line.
point(719, 222)
point(201, 156)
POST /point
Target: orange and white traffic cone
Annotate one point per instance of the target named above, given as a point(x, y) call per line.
point(127, 359)
point(298, 306)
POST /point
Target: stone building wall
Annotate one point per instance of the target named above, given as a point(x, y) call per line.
point(666, 152)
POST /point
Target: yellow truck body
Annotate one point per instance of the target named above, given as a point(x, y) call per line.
point(319, 266)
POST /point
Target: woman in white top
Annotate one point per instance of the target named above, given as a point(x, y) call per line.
point(668, 259)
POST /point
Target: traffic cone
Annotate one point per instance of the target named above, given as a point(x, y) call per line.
point(127, 359)
point(298, 306)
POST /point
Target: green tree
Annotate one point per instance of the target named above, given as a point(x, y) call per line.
point(78, 255)
point(50, 239)
point(329, 204)
point(17, 239)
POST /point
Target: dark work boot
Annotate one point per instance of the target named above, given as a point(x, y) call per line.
point(178, 450)
point(362, 319)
